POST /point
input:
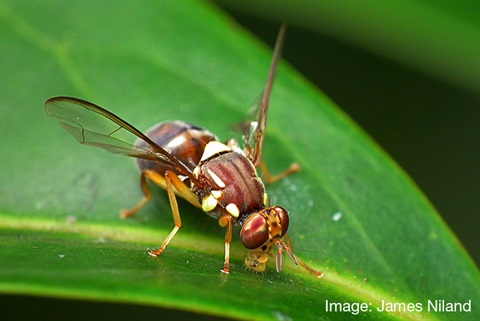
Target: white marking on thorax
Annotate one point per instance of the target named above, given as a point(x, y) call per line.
point(214, 148)
point(209, 203)
point(217, 194)
point(233, 209)
point(196, 171)
point(216, 179)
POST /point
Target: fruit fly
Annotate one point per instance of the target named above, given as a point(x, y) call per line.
point(189, 162)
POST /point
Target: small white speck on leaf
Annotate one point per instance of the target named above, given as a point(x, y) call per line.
point(337, 216)
point(70, 219)
point(100, 240)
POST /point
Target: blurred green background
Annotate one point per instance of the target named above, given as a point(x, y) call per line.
point(408, 73)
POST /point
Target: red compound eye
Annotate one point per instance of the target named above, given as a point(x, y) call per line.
point(283, 217)
point(254, 232)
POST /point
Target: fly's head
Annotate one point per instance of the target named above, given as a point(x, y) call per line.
point(263, 231)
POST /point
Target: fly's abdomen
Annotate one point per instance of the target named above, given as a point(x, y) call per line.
point(182, 140)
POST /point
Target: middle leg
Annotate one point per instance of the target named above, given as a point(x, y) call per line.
point(293, 168)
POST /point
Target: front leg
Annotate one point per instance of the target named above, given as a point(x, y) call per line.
point(226, 220)
point(296, 260)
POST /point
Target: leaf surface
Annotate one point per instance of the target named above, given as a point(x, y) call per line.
point(354, 213)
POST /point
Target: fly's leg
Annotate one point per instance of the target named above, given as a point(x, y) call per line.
point(179, 188)
point(171, 179)
point(312, 271)
point(226, 220)
point(293, 168)
point(173, 185)
point(146, 192)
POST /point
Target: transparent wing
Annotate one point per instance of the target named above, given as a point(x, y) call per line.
point(256, 124)
point(249, 126)
point(92, 125)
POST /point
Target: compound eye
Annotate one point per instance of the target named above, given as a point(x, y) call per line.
point(283, 217)
point(254, 232)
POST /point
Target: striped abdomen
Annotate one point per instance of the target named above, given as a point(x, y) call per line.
point(183, 140)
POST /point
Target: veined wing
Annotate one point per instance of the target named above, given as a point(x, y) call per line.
point(92, 125)
point(254, 131)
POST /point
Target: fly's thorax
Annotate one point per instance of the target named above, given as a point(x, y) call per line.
point(182, 140)
point(229, 184)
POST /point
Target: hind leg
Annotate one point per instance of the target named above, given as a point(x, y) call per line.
point(178, 186)
point(169, 177)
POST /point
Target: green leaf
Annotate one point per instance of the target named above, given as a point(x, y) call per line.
point(354, 214)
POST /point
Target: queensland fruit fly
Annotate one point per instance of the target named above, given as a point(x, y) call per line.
point(189, 162)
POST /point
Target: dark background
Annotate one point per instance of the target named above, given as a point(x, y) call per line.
point(429, 127)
